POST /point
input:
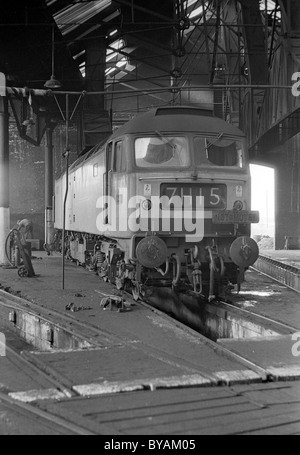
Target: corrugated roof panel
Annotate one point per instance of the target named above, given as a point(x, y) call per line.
point(50, 2)
point(79, 13)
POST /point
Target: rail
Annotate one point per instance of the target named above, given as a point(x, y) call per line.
point(284, 273)
point(95, 333)
point(57, 421)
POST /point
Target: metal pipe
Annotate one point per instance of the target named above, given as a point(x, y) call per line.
point(170, 23)
point(216, 41)
point(49, 225)
point(206, 35)
point(178, 270)
point(266, 32)
point(24, 92)
point(164, 273)
point(211, 284)
point(273, 34)
point(67, 152)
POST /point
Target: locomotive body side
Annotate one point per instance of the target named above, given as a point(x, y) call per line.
point(84, 187)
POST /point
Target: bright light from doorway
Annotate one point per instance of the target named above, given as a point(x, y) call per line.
point(263, 199)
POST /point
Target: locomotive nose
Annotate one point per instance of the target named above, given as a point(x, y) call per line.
point(244, 252)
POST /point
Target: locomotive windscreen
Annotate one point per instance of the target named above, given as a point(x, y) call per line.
point(218, 152)
point(162, 151)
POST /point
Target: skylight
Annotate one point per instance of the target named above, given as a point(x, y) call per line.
point(118, 45)
point(82, 69)
point(195, 8)
point(82, 13)
point(122, 62)
point(79, 13)
point(192, 2)
point(80, 54)
point(196, 12)
point(271, 7)
point(111, 55)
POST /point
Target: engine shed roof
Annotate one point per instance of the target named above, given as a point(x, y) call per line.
point(177, 119)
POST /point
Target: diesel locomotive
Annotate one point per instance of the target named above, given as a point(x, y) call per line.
point(165, 201)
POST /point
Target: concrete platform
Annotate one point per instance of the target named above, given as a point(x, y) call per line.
point(280, 355)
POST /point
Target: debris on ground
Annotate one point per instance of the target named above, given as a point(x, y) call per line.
point(73, 308)
point(115, 303)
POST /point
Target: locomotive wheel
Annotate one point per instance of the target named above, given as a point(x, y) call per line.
point(23, 272)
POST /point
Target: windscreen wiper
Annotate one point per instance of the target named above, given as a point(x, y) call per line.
point(169, 143)
point(208, 145)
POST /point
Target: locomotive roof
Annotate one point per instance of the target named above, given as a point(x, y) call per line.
point(173, 119)
point(177, 119)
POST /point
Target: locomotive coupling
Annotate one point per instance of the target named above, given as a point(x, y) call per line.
point(244, 252)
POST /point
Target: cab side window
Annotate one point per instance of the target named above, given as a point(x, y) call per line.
point(120, 158)
point(109, 156)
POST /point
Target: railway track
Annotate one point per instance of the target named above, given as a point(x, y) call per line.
point(45, 418)
point(97, 338)
point(263, 318)
point(95, 333)
point(281, 272)
point(26, 361)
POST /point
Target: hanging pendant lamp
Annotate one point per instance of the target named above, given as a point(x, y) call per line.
point(53, 83)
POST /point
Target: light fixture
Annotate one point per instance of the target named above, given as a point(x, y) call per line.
point(53, 83)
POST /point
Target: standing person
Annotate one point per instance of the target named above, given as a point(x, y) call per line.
point(26, 228)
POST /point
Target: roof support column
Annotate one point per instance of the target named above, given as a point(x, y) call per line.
point(4, 177)
point(95, 119)
point(287, 194)
point(49, 187)
point(255, 39)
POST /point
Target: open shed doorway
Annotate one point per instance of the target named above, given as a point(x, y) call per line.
point(263, 200)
